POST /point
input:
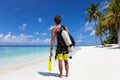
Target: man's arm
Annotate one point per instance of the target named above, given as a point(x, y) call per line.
point(52, 41)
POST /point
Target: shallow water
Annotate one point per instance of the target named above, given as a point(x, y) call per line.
point(12, 55)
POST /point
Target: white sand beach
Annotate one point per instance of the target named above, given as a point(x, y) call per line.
point(88, 63)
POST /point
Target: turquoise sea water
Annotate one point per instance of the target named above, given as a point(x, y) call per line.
point(16, 54)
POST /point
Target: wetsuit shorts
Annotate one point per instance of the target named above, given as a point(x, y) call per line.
point(62, 56)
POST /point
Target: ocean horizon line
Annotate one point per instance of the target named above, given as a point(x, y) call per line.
point(35, 45)
point(24, 45)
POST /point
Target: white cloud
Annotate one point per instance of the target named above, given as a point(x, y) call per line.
point(40, 41)
point(36, 41)
point(44, 34)
point(8, 35)
point(78, 41)
point(1, 35)
point(9, 38)
point(89, 26)
point(23, 26)
point(92, 33)
point(40, 20)
point(13, 37)
point(80, 37)
point(47, 40)
point(23, 36)
point(36, 33)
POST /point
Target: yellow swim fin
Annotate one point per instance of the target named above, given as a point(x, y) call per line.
point(50, 64)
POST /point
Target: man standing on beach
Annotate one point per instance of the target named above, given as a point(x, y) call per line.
point(61, 53)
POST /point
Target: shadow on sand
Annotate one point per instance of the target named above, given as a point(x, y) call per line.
point(48, 74)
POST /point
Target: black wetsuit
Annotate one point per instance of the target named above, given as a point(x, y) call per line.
point(61, 46)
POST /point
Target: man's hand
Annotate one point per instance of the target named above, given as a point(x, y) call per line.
point(51, 53)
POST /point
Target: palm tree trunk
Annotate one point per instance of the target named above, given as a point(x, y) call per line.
point(96, 37)
point(96, 42)
point(118, 33)
point(101, 40)
point(118, 36)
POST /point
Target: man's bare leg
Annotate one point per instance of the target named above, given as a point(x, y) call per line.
point(66, 67)
point(60, 68)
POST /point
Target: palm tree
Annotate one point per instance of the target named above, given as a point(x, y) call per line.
point(100, 30)
point(112, 17)
point(93, 13)
point(104, 28)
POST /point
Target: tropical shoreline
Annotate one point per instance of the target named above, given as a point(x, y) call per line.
point(25, 63)
point(89, 63)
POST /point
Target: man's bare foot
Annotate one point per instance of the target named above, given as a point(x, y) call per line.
point(66, 75)
point(60, 76)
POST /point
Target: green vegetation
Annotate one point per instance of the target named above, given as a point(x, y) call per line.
point(108, 23)
point(94, 14)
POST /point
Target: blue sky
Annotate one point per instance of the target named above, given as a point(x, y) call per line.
point(30, 21)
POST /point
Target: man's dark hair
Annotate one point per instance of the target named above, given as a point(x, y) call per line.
point(57, 19)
